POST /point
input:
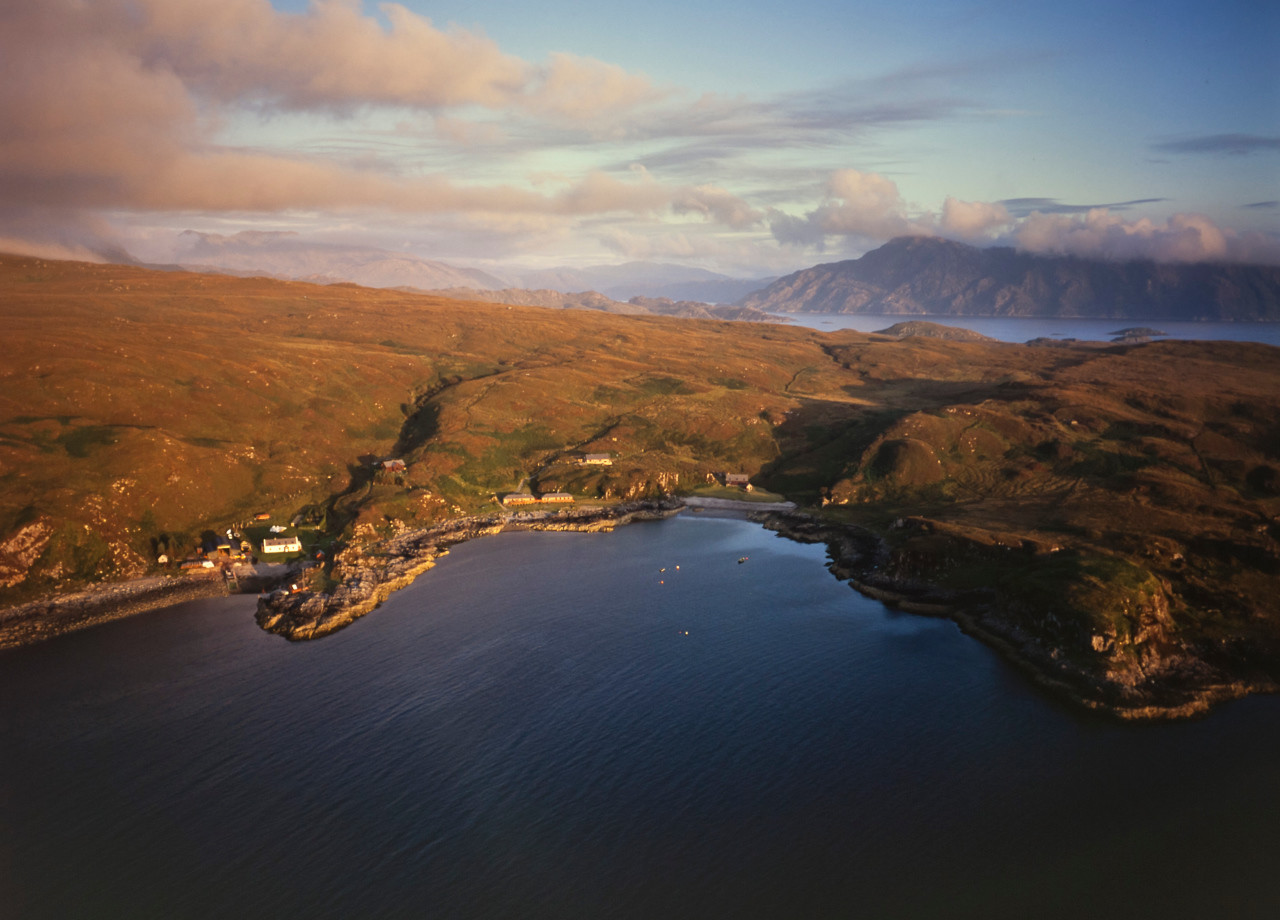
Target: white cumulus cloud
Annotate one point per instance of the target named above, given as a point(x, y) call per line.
point(868, 207)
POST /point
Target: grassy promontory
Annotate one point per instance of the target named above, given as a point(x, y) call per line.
point(1106, 514)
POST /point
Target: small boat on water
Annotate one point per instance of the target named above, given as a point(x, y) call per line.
point(741, 559)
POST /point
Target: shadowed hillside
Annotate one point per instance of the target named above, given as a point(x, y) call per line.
point(926, 275)
point(1107, 515)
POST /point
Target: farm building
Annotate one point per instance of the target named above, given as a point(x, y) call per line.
point(281, 545)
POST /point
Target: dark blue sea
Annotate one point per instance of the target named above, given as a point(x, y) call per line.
point(552, 726)
point(1024, 329)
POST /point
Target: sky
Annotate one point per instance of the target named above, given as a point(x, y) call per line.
point(741, 137)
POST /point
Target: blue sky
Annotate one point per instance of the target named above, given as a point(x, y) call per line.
point(739, 137)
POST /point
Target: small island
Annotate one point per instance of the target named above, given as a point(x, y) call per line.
point(933, 331)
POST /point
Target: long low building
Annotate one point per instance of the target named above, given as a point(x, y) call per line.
point(524, 498)
point(281, 545)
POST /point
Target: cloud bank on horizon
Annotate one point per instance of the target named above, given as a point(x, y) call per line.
point(123, 122)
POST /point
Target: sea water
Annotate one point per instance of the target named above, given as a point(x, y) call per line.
point(1023, 329)
point(625, 725)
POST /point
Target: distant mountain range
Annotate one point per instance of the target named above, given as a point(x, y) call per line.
point(908, 276)
point(643, 279)
point(593, 300)
point(930, 276)
point(288, 256)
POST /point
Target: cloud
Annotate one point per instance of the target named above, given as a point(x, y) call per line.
point(972, 219)
point(856, 204)
point(1229, 144)
point(467, 133)
point(716, 204)
point(867, 207)
point(583, 90)
point(862, 205)
point(331, 56)
point(79, 120)
point(59, 233)
point(600, 193)
point(334, 57)
point(748, 258)
point(1181, 238)
point(1263, 205)
point(131, 106)
point(1021, 207)
point(22, 246)
point(116, 104)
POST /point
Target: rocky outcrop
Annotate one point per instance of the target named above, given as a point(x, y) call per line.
point(1133, 666)
point(366, 575)
point(20, 551)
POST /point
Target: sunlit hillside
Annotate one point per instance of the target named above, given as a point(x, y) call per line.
point(1122, 499)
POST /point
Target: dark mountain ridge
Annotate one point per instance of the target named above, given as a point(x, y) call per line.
point(930, 276)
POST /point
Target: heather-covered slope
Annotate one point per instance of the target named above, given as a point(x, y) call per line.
point(1106, 515)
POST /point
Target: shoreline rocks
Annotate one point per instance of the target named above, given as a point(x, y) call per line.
point(46, 618)
point(1164, 679)
point(367, 576)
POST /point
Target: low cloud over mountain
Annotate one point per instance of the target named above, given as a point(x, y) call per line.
point(924, 275)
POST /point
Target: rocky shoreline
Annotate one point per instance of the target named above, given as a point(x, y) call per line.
point(1166, 679)
point(48, 617)
point(366, 576)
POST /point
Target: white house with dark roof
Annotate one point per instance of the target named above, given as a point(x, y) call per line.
point(281, 545)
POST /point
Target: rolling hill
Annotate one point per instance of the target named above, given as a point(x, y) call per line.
point(1107, 516)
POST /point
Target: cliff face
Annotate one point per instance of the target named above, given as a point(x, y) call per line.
point(923, 275)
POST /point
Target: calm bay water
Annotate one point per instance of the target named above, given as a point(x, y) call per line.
point(1024, 329)
point(549, 726)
